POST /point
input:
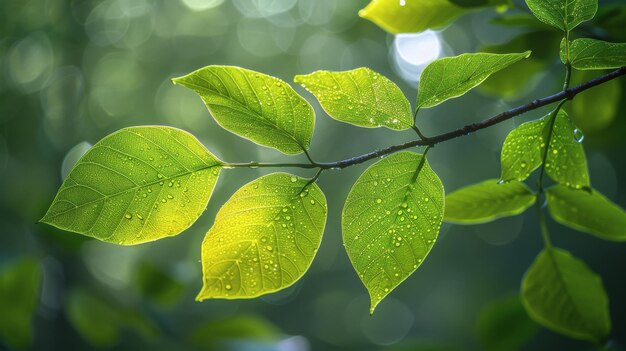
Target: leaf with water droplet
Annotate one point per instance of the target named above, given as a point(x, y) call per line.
point(398, 16)
point(593, 54)
point(375, 100)
point(452, 77)
point(403, 213)
point(522, 151)
point(563, 14)
point(99, 199)
point(587, 211)
point(255, 106)
point(487, 201)
point(561, 293)
point(264, 238)
point(566, 162)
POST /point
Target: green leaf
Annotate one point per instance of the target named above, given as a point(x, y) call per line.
point(452, 77)
point(566, 162)
point(94, 319)
point(602, 102)
point(563, 14)
point(157, 285)
point(19, 297)
point(589, 212)
point(264, 238)
point(361, 97)
point(522, 151)
point(504, 325)
point(592, 54)
point(255, 106)
point(418, 15)
point(210, 335)
point(487, 201)
point(391, 220)
point(136, 185)
point(560, 292)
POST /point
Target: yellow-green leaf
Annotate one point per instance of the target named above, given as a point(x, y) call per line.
point(487, 201)
point(136, 185)
point(593, 54)
point(361, 97)
point(264, 238)
point(452, 77)
point(561, 293)
point(399, 16)
point(589, 212)
point(255, 106)
point(391, 220)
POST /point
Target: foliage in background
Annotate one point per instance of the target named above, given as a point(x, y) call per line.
point(152, 187)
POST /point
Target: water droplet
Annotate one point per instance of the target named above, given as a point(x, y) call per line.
point(501, 181)
point(128, 216)
point(555, 151)
point(312, 202)
point(140, 217)
point(294, 179)
point(402, 2)
point(379, 200)
point(578, 135)
point(269, 248)
point(170, 196)
point(228, 287)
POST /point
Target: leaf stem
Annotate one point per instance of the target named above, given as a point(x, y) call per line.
point(566, 94)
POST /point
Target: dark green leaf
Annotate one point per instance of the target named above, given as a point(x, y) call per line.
point(504, 325)
point(560, 292)
point(19, 297)
point(487, 201)
point(589, 212)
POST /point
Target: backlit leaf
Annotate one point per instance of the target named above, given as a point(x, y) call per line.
point(136, 185)
point(19, 296)
point(566, 162)
point(487, 201)
point(255, 106)
point(452, 77)
point(522, 151)
point(560, 292)
point(391, 220)
point(592, 54)
point(361, 97)
point(264, 238)
point(563, 14)
point(418, 15)
point(588, 212)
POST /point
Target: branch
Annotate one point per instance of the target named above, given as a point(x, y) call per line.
point(567, 94)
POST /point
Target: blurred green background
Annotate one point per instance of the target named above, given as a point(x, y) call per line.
point(72, 72)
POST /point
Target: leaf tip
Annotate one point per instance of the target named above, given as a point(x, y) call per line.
point(527, 53)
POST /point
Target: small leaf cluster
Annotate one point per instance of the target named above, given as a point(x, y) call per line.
point(146, 183)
